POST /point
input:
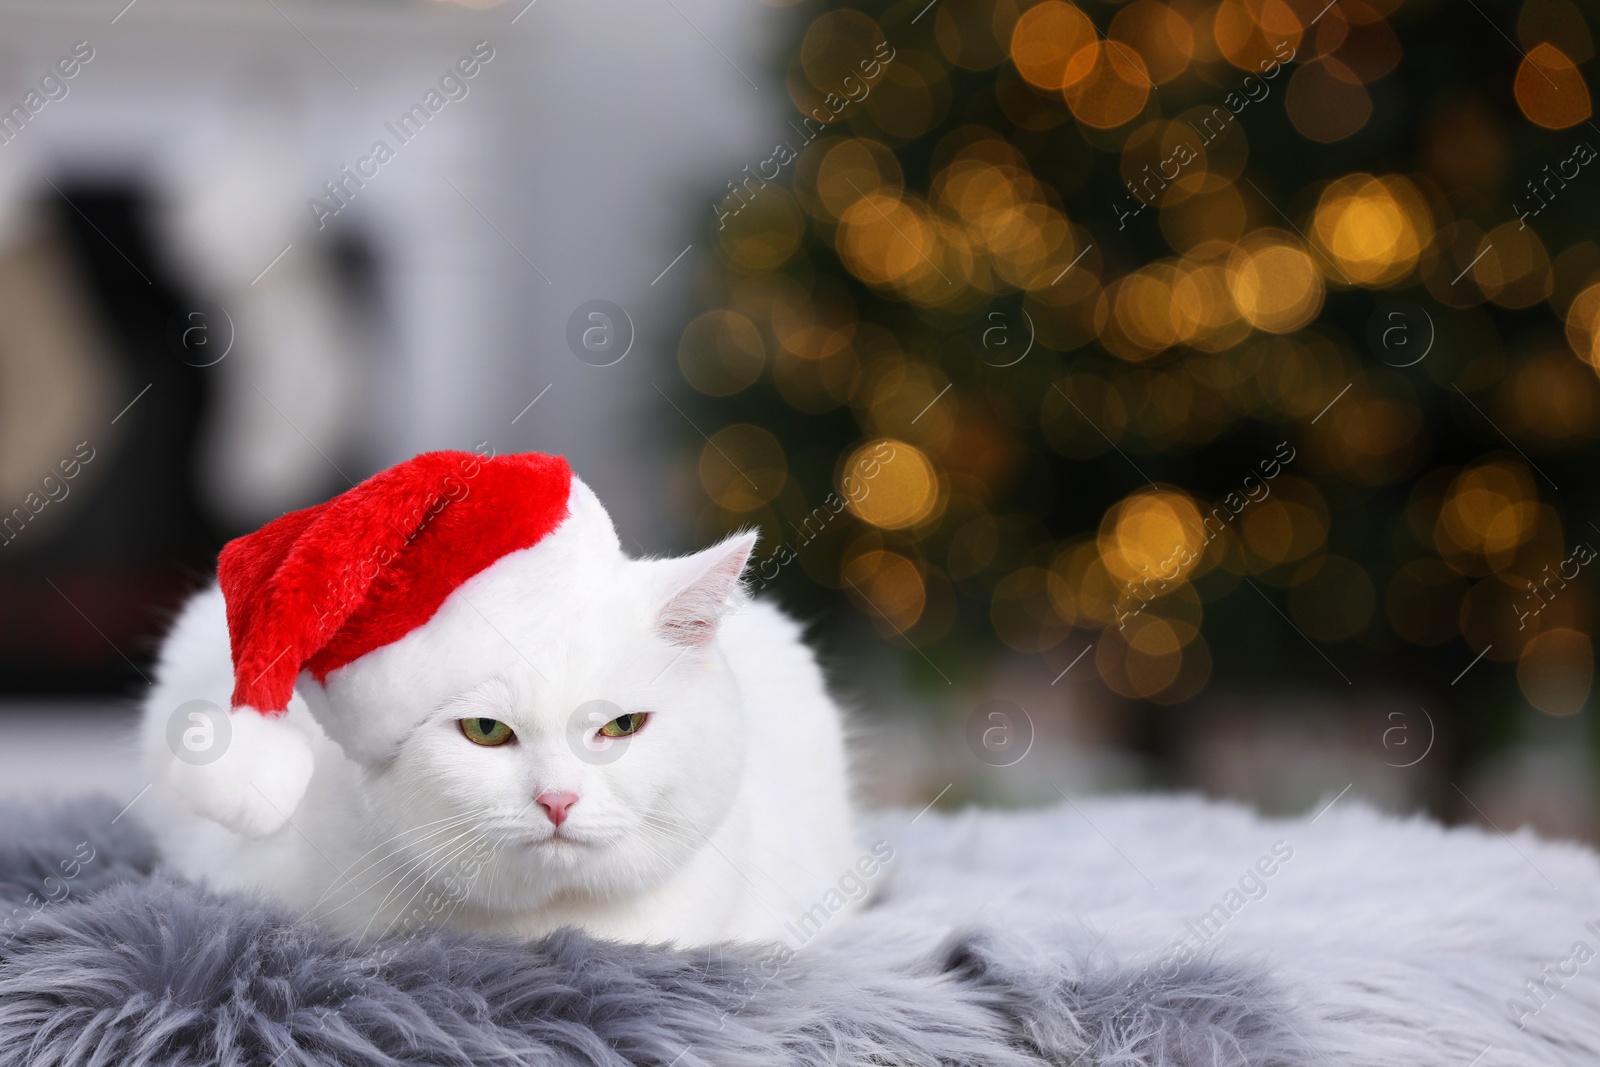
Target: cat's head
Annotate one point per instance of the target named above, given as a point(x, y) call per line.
point(597, 761)
point(565, 725)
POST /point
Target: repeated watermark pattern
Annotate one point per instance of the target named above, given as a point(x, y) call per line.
point(856, 484)
point(55, 890)
point(998, 733)
point(1183, 557)
point(1542, 594)
point(600, 333)
point(340, 190)
point(743, 190)
point(51, 88)
point(1251, 887)
point(1541, 991)
point(53, 489)
point(1543, 194)
point(1213, 124)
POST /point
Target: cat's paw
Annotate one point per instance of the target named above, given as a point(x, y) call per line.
point(255, 785)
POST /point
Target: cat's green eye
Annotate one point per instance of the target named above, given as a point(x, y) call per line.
point(623, 725)
point(488, 732)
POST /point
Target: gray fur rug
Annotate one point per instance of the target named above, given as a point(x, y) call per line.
point(114, 964)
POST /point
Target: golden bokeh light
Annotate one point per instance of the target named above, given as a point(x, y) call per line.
point(1550, 401)
point(1515, 270)
point(833, 49)
point(1154, 536)
point(1251, 32)
point(742, 467)
point(912, 95)
point(854, 168)
point(882, 239)
point(894, 392)
point(1326, 101)
point(1023, 613)
point(1157, 32)
point(1488, 511)
point(1374, 229)
point(1583, 326)
point(1045, 39)
point(1166, 162)
point(721, 352)
point(1369, 439)
point(816, 385)
point(1107, 84)
point(887, 588)
point(1274, 283)
point(1557, 22)
point(1572, 270)
point(1278, 531)
point(765, 232)
point(1215, 217)
point(1203, 312)
point(1550, 89)
point(1141, 306)
point(1147, 660)
point(1002, 215)
point(1359, 37)
point(1083, 592)
point(1002, 164)
point(901, 486)
point(1556, 671)
point(815, 324)
point(1295, 375)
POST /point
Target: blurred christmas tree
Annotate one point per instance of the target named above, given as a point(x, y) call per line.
point(1252, 341)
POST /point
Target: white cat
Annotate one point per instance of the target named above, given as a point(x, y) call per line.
point(720, 811)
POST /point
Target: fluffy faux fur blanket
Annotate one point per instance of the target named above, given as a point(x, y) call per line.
point(1124, 932)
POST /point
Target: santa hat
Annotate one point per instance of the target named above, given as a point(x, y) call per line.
point(347, 598)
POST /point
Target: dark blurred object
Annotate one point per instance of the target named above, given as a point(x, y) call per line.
point(89, 580)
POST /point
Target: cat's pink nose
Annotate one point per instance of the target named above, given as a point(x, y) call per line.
point(555, 805)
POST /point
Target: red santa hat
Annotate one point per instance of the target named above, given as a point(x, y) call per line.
point(346, 598)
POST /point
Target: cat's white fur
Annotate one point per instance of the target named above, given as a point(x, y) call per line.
point(726, 816)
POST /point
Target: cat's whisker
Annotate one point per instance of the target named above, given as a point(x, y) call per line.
point(409, 830)
point(348, 875)
point(421, 864)
point(434, 828)
point(428, 877)
point(421, 876)
point(493, 852)
point(495, 874)
point(405, 872)
point(471, 847)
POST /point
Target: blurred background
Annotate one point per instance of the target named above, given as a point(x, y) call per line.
point(1160, 394)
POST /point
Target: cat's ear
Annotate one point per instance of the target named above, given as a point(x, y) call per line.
point(695, 592)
